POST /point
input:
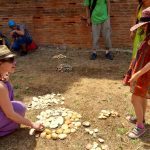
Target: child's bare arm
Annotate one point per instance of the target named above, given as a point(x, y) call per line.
point(145, 69)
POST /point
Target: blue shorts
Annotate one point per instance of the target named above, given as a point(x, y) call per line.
point(20, 41)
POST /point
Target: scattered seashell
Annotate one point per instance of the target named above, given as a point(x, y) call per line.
point(59, 131)
point(37, 135)
point(48, 131)
point(94, 135)
point(43, 135)
point(66, 131)
point(95, 145)
point(86, 124)
point(98, 148)
point(104, 147)
point(54, 136)
point(64, 126)
point(78, 124)
point(88, 146)
point(62, 136)
point(48, 136)
point(91, 132)
point(101, 140)
point(32, 131)
point(96, 130)
point(73, 130)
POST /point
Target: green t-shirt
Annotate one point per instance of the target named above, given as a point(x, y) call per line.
point(100, 12)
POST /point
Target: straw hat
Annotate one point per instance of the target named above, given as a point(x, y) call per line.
point(145, 18)
point(5, 52)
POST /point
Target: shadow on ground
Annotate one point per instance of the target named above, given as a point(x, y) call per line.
point(146, 138)
point(19, 140)
point(36, 73)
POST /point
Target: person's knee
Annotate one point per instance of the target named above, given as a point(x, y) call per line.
point(19, 107)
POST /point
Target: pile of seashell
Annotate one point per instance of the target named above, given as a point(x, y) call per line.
point(64, 68)
point(41, 102)
point(58, 123)
point(104, 114)
point(95, 146)
point(60, 56)
point(92, 132)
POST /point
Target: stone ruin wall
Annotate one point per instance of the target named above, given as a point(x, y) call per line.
point(59, 22)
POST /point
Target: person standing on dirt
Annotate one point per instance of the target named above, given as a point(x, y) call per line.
point(98, 14)
point(140, 78)
point(20, 36)
point(11, 112)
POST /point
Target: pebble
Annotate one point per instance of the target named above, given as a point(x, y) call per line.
point(88, 146)
point(86, 124)
point(62, 136)
point(104, 114)
point(104, 147)
point(32, 131)
point(101, 140)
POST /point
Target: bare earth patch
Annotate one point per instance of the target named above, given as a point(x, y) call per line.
point(88, 88)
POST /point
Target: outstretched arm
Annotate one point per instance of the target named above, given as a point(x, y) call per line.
point(7, 108)
point(135, 76)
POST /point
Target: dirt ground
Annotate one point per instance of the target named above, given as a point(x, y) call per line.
point(90, 87)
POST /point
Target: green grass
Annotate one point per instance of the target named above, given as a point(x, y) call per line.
point(121, 131)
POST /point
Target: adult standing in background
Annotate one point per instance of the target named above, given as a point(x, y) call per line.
point(98, 14)
point(138, 36)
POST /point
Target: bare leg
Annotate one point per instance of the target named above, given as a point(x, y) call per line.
point(144, 107)
point(138, 104)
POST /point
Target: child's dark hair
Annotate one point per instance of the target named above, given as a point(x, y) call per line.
point(148, 30)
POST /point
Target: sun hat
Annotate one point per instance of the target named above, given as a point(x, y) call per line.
point(11, 23)
point(145, 18)
point(5, 52)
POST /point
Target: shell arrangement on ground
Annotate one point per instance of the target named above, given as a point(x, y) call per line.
point(59, 122)
point(41, 102)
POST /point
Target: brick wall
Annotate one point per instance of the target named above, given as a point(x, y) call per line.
point(58, 22)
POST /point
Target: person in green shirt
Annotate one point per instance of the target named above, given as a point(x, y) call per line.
point(99, 18)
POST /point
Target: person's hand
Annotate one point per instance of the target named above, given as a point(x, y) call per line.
point(37, 126)
point(134, 78)
point(132, 35)
point(148, 42)
point(88, 21)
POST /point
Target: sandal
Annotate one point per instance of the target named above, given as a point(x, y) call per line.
point(133, 119)
point(136, 133)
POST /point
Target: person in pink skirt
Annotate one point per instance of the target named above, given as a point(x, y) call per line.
point(11, 112)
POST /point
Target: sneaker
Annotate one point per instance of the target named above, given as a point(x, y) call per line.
point(93, 56)
point(136, 133)
point(109, 56)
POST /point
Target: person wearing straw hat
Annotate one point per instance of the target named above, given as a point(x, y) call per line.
point(11, 112)
point(140, 76)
